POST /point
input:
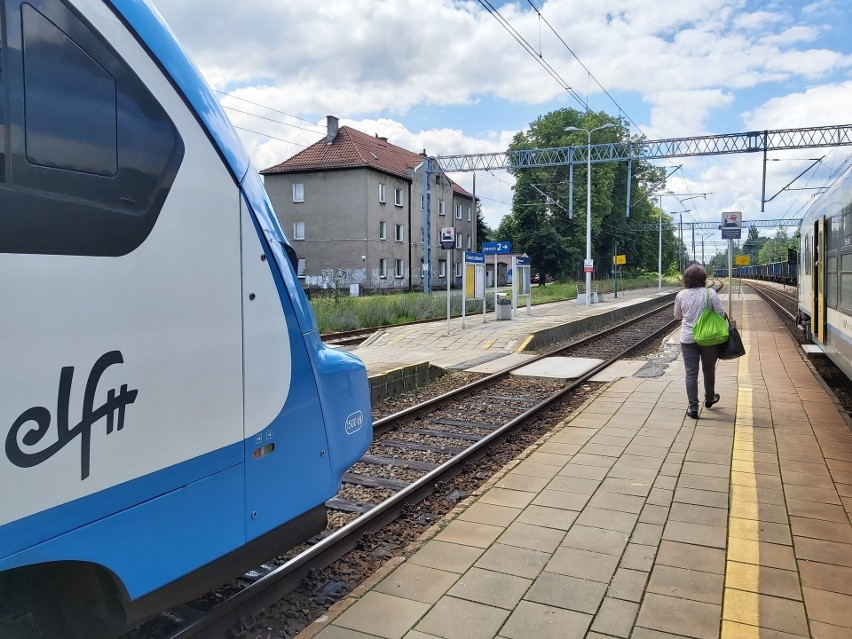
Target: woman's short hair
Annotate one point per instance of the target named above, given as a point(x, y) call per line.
point(695, 276)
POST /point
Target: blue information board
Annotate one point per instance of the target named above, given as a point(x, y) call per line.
point(474, 258)
point(496, 248)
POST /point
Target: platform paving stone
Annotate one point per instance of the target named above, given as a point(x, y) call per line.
point(490, 588)
point(547, 517)
point(532, 537)
point(382, 615)
point(418, 583)
point(453, 618)
point(521, 562)
point(568, 592)
point(524, 483)
point(628, 585)
point(638, 557)
point(677, 616)
point(616, 617)
point(545, 622)
point(337, 632)
point(446, 556)
point(687, 584)
point(483, 513)
point(583, 563)
point(469, 533)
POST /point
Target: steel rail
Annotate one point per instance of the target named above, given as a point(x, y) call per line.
point(287, 577)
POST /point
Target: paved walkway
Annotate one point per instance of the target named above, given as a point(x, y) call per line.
point(407, 345)
point(632, 521)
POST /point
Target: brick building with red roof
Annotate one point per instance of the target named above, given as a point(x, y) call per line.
point(352, 206)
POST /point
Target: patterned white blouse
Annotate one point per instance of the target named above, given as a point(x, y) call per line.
point(689, 304)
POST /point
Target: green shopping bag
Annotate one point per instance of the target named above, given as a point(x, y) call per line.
point(710, 328)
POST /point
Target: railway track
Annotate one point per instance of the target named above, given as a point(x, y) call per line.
point(783, 301)
point(414, 450)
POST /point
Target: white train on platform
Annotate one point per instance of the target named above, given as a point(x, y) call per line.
point(168, 414)
point(825, 273)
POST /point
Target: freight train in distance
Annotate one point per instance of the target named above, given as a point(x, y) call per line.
point(169, 415)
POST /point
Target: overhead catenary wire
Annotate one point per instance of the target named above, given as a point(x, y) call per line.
point(532, 52)
point(263, 106)
point(588, 71)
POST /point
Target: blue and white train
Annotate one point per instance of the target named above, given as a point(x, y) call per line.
point(825, 273)
point(168, 414)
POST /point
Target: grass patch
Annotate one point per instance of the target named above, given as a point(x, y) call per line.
point(343, 313)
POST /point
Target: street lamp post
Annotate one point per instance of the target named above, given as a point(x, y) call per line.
point(608, 125)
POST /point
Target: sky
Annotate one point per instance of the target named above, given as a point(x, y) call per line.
point(448, 77)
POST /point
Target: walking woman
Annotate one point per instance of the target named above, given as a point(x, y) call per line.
point(689, 304)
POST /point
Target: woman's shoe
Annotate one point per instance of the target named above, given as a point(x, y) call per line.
point(692, 413)
point(709, 403)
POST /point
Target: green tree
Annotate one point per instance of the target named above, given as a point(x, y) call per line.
point(775, 249)
point(539, 224)
point(753, 244)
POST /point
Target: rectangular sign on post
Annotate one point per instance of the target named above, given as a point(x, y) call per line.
point(742, 260)
point(496, 248)
point(588, 266)
point(619, 260)
point(448, 238)
point(732, 225)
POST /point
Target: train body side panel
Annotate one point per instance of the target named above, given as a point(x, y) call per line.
point(170, 310)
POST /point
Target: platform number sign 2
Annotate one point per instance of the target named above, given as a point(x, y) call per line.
point(448, 238)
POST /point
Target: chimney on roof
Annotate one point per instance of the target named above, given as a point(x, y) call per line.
point(331, 125)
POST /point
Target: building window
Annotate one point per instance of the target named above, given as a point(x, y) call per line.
point(300, 270)
point(442, 268)
point(468, 214)
point(458, 269)
point(398, 270)
point(442, 208)
point(459, 237)
point(383, 268)
point(383, 230)
point(398, 234)
point(397, 197)
point(422, 199)
point(382, 193)
point(421, 235)
point(298, 230)
point(469, 240)
point(298, 192)
point(458, 211)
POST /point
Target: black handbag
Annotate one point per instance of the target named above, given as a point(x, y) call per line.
point(733, 348)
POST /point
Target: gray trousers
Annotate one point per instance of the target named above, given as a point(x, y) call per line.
point(707, 355)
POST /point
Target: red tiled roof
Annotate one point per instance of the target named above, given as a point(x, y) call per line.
point(353, 149)
point(350, 149)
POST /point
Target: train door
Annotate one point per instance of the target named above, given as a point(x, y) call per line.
point(287, 465)
point(819, 281)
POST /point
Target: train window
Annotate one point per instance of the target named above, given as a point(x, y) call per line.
point(831, 280)
point(846, 282)
point(92, 154)
point(805, 256)
point(58, 72)
point(847, 227)
point(835, 232)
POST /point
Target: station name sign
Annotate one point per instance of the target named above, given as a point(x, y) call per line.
point(474, 258)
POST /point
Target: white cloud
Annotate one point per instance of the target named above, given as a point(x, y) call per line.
point(689, 68)
point(817, 106)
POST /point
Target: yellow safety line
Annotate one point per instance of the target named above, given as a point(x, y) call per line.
point(741, 606)
point(523, 345)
